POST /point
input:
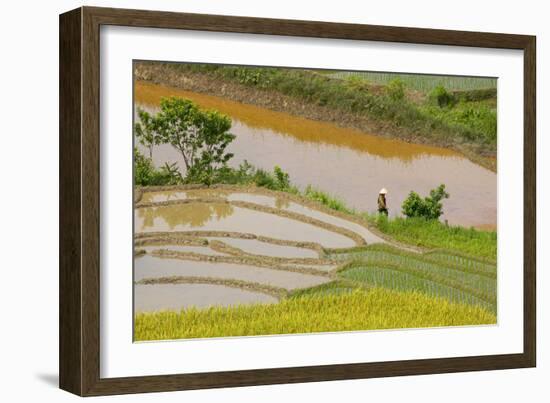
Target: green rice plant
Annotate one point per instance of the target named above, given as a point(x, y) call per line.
point(474, 276)
point(420, 82)
point(456, 258)
point(433, 285)
point(479, 286)
point(389, 254)
point(358, 310)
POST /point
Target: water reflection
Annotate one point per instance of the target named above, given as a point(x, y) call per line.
point(187, 215)
point(226, 218)
point(294, 126)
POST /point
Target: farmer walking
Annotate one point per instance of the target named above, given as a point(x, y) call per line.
point(382, 206)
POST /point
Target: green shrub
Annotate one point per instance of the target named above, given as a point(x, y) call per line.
point(441, 97)
point(396, 89)
point(356, 82)
point(283, 179)
point(430, 207)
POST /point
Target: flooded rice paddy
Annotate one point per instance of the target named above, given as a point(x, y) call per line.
point(153, 267)
point(173, 297)
point(256, 246)
point(188, 244)
point(348, 163)
point(225, 217)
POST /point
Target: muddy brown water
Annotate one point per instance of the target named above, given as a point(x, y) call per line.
point(348, 163)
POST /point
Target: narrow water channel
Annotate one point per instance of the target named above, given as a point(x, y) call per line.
point(347, 163)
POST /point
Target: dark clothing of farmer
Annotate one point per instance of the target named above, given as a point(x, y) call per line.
point(382, 206)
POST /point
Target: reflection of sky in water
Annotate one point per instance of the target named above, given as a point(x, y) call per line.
point(352, 165)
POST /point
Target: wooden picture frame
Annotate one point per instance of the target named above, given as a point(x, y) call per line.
point(79, 280)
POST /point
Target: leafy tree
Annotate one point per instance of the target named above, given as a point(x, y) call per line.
point(146, 131)
point(430, 207)
point(201, 137)
point(213, 130)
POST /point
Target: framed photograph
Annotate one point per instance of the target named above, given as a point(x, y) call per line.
point(249, 201)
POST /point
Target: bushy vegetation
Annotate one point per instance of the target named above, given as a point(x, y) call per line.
point(429, 207)
point(357, 310)
point(441, 97)
point(396, 89)
point(246, 174)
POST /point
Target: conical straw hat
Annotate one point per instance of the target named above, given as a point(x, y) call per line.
point(383, 191)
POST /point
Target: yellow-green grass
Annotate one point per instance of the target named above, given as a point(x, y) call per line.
point(434, 234)
point(358, 310)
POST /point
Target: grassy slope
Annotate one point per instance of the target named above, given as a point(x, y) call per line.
point(434, 234)
point(472, 123)
point(358, 310)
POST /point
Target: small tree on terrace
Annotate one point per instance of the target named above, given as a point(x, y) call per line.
point(430, 207)
point(214, 132)
point(146, 131)
point(201, 137)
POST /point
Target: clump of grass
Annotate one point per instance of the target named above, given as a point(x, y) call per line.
point(358, 310)
point(247, 174)
point(326, 199)
point(434, 234)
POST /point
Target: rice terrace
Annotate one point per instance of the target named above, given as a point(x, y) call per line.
point(276, 201)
